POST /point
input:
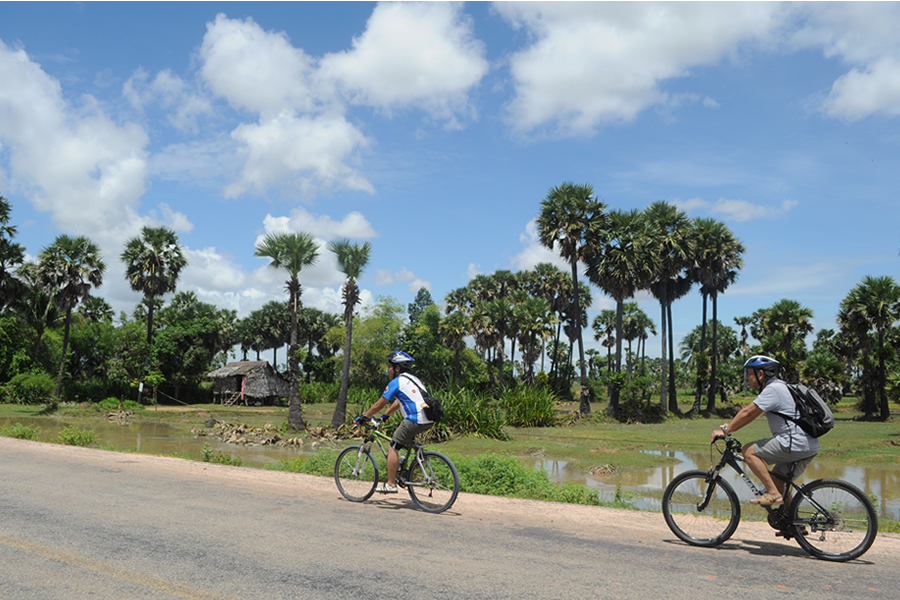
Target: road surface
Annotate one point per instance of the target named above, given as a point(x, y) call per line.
point(86, 523)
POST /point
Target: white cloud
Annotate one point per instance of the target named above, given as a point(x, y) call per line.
point(301, 139)
point(595, 63)
point(737, 210)
point(864, 36)
point(211, 270)
point(536, 253)
point(73, 161)
point(420, 55)
point(353, 226)
point(171, 93)
point(309, 153)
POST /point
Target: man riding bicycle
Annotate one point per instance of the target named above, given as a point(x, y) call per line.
point(790, 449)
point(404, 393)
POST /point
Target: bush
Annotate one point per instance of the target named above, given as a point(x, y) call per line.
point(30, 388)
point(220, 458)
point(508, 476)
point(467, 412)
point(77, 436)
point(22, 432)
point(529, 407)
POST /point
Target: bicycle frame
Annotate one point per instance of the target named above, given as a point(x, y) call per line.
point(378, 437)
point(732, 457)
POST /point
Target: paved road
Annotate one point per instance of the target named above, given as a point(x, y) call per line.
point(83, 523)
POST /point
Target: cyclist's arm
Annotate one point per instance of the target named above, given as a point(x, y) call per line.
point(745, 416)
point(392, 408)
point(381, 403)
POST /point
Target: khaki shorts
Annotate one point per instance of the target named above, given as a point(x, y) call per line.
point(773, 453)
point(406, 432)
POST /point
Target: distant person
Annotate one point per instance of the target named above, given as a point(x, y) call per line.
point(403, 392)
point(790, 449)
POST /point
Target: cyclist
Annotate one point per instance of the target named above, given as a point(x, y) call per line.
point(403, 392)
point(790, 449)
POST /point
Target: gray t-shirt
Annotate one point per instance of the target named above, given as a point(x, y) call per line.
point(776, 398)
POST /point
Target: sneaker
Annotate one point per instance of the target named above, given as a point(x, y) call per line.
point(385, 488)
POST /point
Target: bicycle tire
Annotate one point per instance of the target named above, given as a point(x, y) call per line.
point(708, 527)
point(435, 488)
point(844, 531)
point(356, 474)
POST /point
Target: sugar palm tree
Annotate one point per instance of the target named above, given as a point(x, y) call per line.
point(787, 321)
point(291, 252)
point(153, 263)
point(620, 264)
point(352, 260)
point(672, 228)
point(454, 329)
point(11, 255)
point(570, 215)
point(69, 267)
point(717, 260)
point(876, 302)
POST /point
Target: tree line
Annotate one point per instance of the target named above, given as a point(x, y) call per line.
point(498, 332)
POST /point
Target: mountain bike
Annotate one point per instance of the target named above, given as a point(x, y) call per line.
point(830, 519)
point(431, 478)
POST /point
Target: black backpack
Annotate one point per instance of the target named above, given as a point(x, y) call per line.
point(815, 418)
point(433, 408)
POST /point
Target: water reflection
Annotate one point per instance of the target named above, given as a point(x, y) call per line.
point(644, 485)
point(882, 482)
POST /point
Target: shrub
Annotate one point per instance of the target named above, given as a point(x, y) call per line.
point(467, 412)
point(22, 432)
point(73, 435)
point(530, 407)
point(220, 458)
point(30, 388)
point(500, 475)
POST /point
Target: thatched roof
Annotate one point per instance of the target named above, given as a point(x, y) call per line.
point(243, 367)
point(254, 379)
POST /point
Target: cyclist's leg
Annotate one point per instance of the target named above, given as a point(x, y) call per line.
point(404, 437)
point(757, 455)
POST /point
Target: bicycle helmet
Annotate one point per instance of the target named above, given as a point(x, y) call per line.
point(759, 361)
point(398, 357)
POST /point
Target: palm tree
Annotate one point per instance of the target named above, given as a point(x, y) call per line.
point(745, 348)
point(671, 228)
point(717, 260)
point(787, 321)
point(570, 215)
point(291, 252)
point(453, 330)
point(604, 326)
point(351, 259)
point(620, 264)
point(69, 267)
point(153, 263)
point(35, 305)
point(11, 254)
point(876, 302)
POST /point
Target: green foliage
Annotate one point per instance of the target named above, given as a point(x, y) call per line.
point(321, 463)
point(22, 432)
point(30, 388)
point(208, 455)
point(529, 407)
point(467, 412)
point(500, 475)
point(110, 404)
point(72, 435)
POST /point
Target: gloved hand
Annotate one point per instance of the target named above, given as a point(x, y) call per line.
point(384, 417)
point(359, 420)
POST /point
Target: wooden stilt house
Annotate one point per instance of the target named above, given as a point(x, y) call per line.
point(248, 382)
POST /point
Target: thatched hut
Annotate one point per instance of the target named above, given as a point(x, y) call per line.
point(248, 381)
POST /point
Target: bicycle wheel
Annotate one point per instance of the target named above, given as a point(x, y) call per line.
point(434, 484)
point(698, 512)
point(356, 474)
point(833, 520)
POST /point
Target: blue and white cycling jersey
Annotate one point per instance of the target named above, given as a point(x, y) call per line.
point(411, 404)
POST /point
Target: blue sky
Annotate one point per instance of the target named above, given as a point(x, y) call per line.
point(434, 130)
